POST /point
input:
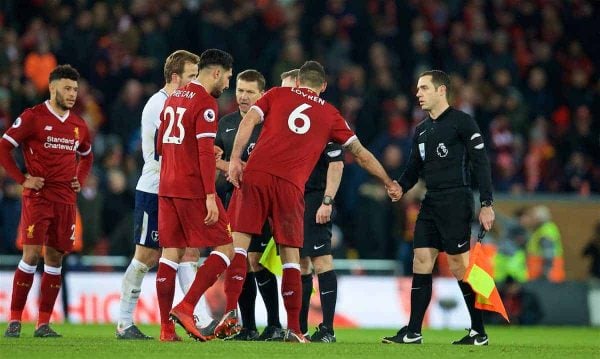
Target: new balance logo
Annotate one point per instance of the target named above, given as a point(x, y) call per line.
point(406, 339)
point(163, 279)
point(48, 128)
point(288, 293)
point(318, 247)
point(237, 277)
point(462, 244)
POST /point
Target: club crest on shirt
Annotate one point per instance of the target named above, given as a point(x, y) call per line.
point(30, 230)
point(442, 150)
point(209, 115)
point(76, 133)
point(154, 236)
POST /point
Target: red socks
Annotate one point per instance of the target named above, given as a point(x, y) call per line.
point(291, 291)
point(206, 276)
point(165, 287)
point(21, 285)
point(235, 277)
point(51, 282)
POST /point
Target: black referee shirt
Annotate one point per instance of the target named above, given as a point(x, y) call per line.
point(227, 129)
point(318, 178)
point(443, 152)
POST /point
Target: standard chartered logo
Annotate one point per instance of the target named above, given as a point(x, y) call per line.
point(61, 143)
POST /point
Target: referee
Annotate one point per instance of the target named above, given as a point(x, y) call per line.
point(250, 86)
point(446, 145)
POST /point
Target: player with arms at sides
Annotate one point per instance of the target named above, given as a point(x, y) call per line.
point(58, 157)
point(298, 124)
point(250, 86)
point(180, 68)
point(445, 147)
point(189, 212)
point(319, 192)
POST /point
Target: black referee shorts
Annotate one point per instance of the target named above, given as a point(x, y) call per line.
point(317, 237)
point(444, 221)
point(259, 243)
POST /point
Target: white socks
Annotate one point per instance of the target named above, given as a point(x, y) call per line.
point(130, 292)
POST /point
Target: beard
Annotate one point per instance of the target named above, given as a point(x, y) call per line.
point(61, 102)
point(216, 93)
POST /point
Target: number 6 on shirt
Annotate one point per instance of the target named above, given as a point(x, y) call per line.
point(298, 115)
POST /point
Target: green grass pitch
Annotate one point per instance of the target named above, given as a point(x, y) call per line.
point(98, 341)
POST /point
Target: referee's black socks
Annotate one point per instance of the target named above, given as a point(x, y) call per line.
point(267, 285)
point(328, 292)
point(476, 314)
point(420, 296)
point(247, 301)
point(307, 288)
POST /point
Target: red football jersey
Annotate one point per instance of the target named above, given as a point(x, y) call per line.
point(298, 124)
point(189, 115)
point(50, 145)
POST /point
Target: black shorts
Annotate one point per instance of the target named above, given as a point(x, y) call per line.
point(259, 243)
point(444, 221)
point(317, 237)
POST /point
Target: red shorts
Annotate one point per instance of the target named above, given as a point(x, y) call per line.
point(263, 196)
point(181, 224)
point(48, 223)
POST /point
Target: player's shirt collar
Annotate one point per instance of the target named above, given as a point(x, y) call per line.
point(62, 118)
point(199, 84)
point(307, 89)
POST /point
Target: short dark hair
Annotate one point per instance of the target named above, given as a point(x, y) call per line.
point(64, 72)
point(438, 78)
point(217, 57)
point(312, 74)
point(253, 76)
point(292, 73)
point(175, 63)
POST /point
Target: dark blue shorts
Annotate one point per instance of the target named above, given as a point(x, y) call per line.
point(145, 228)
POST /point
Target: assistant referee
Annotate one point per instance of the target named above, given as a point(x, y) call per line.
point(446, 146)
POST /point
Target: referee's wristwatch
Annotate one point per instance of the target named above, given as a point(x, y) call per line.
point(487, 203)
point(327, 200)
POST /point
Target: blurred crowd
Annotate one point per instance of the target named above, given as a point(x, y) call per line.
point(526, 70)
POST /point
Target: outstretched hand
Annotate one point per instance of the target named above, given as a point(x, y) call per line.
point(394, 191)
point(236, 168)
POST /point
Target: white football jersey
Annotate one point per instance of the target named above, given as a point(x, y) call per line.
point(148, 181)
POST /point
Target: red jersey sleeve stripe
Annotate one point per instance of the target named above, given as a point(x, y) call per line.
point(350, 140)
point(10, 139)
point(206, 134)
point(260, 112)
point(86, 152)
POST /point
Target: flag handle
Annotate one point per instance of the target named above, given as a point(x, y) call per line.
point(481, 234)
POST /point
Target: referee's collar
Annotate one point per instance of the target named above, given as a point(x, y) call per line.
point(442, 115)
